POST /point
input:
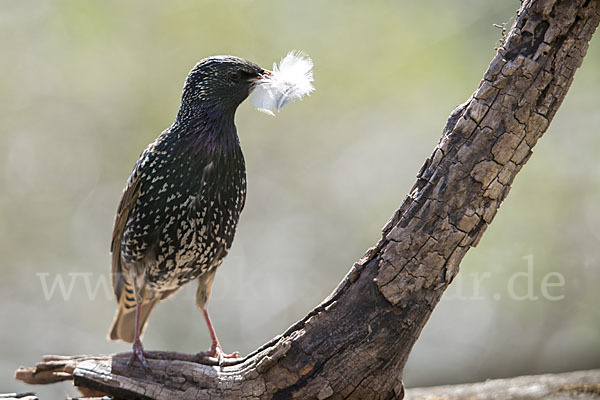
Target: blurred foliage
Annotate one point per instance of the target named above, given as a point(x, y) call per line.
point(85, 85)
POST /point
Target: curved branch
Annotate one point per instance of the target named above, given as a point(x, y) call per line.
point(355, 344)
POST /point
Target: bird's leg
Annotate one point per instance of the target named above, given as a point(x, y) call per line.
point(137, 350)
point(215, 349)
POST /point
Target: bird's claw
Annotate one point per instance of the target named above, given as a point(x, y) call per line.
point(216, 351)
point(138, 353)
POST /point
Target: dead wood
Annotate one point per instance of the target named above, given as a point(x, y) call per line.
point(581, 385)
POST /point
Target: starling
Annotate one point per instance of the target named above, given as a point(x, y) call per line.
point(179, 210)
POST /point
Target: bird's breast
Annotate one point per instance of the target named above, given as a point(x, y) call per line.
point(195, 217)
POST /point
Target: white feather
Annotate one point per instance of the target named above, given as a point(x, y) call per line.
point(288, 82)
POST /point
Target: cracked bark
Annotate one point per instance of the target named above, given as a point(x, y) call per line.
point(355, 344)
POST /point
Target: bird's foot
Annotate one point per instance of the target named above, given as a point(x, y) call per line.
point(216, 351)
point(138, 353)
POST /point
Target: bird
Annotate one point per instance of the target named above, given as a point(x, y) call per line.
point(178, 213)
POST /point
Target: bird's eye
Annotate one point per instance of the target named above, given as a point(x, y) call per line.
point(234, 76)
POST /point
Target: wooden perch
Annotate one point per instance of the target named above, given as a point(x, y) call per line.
point(582, 385)
point(356, 342)
point(20, 396)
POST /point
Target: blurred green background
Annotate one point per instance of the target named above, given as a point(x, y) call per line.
point(85, 85)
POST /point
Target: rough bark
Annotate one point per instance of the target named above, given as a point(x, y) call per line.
point(355, 344)
point(581, 385)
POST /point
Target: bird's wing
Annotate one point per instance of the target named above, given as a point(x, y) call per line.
point(142, 214)
point(128, 200)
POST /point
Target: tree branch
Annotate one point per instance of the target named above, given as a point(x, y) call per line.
point(355, 343)
point(582, 385)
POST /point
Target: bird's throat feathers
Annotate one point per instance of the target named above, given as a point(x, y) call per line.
point(211, 133)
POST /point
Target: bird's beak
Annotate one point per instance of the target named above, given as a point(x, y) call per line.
point(263, 76)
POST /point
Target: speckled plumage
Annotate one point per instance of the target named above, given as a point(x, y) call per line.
point(184, 219)
point(179, 211)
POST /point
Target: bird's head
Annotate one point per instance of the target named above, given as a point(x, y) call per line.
point(218, 85)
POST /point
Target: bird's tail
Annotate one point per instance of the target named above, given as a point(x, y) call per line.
point(123, 326)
